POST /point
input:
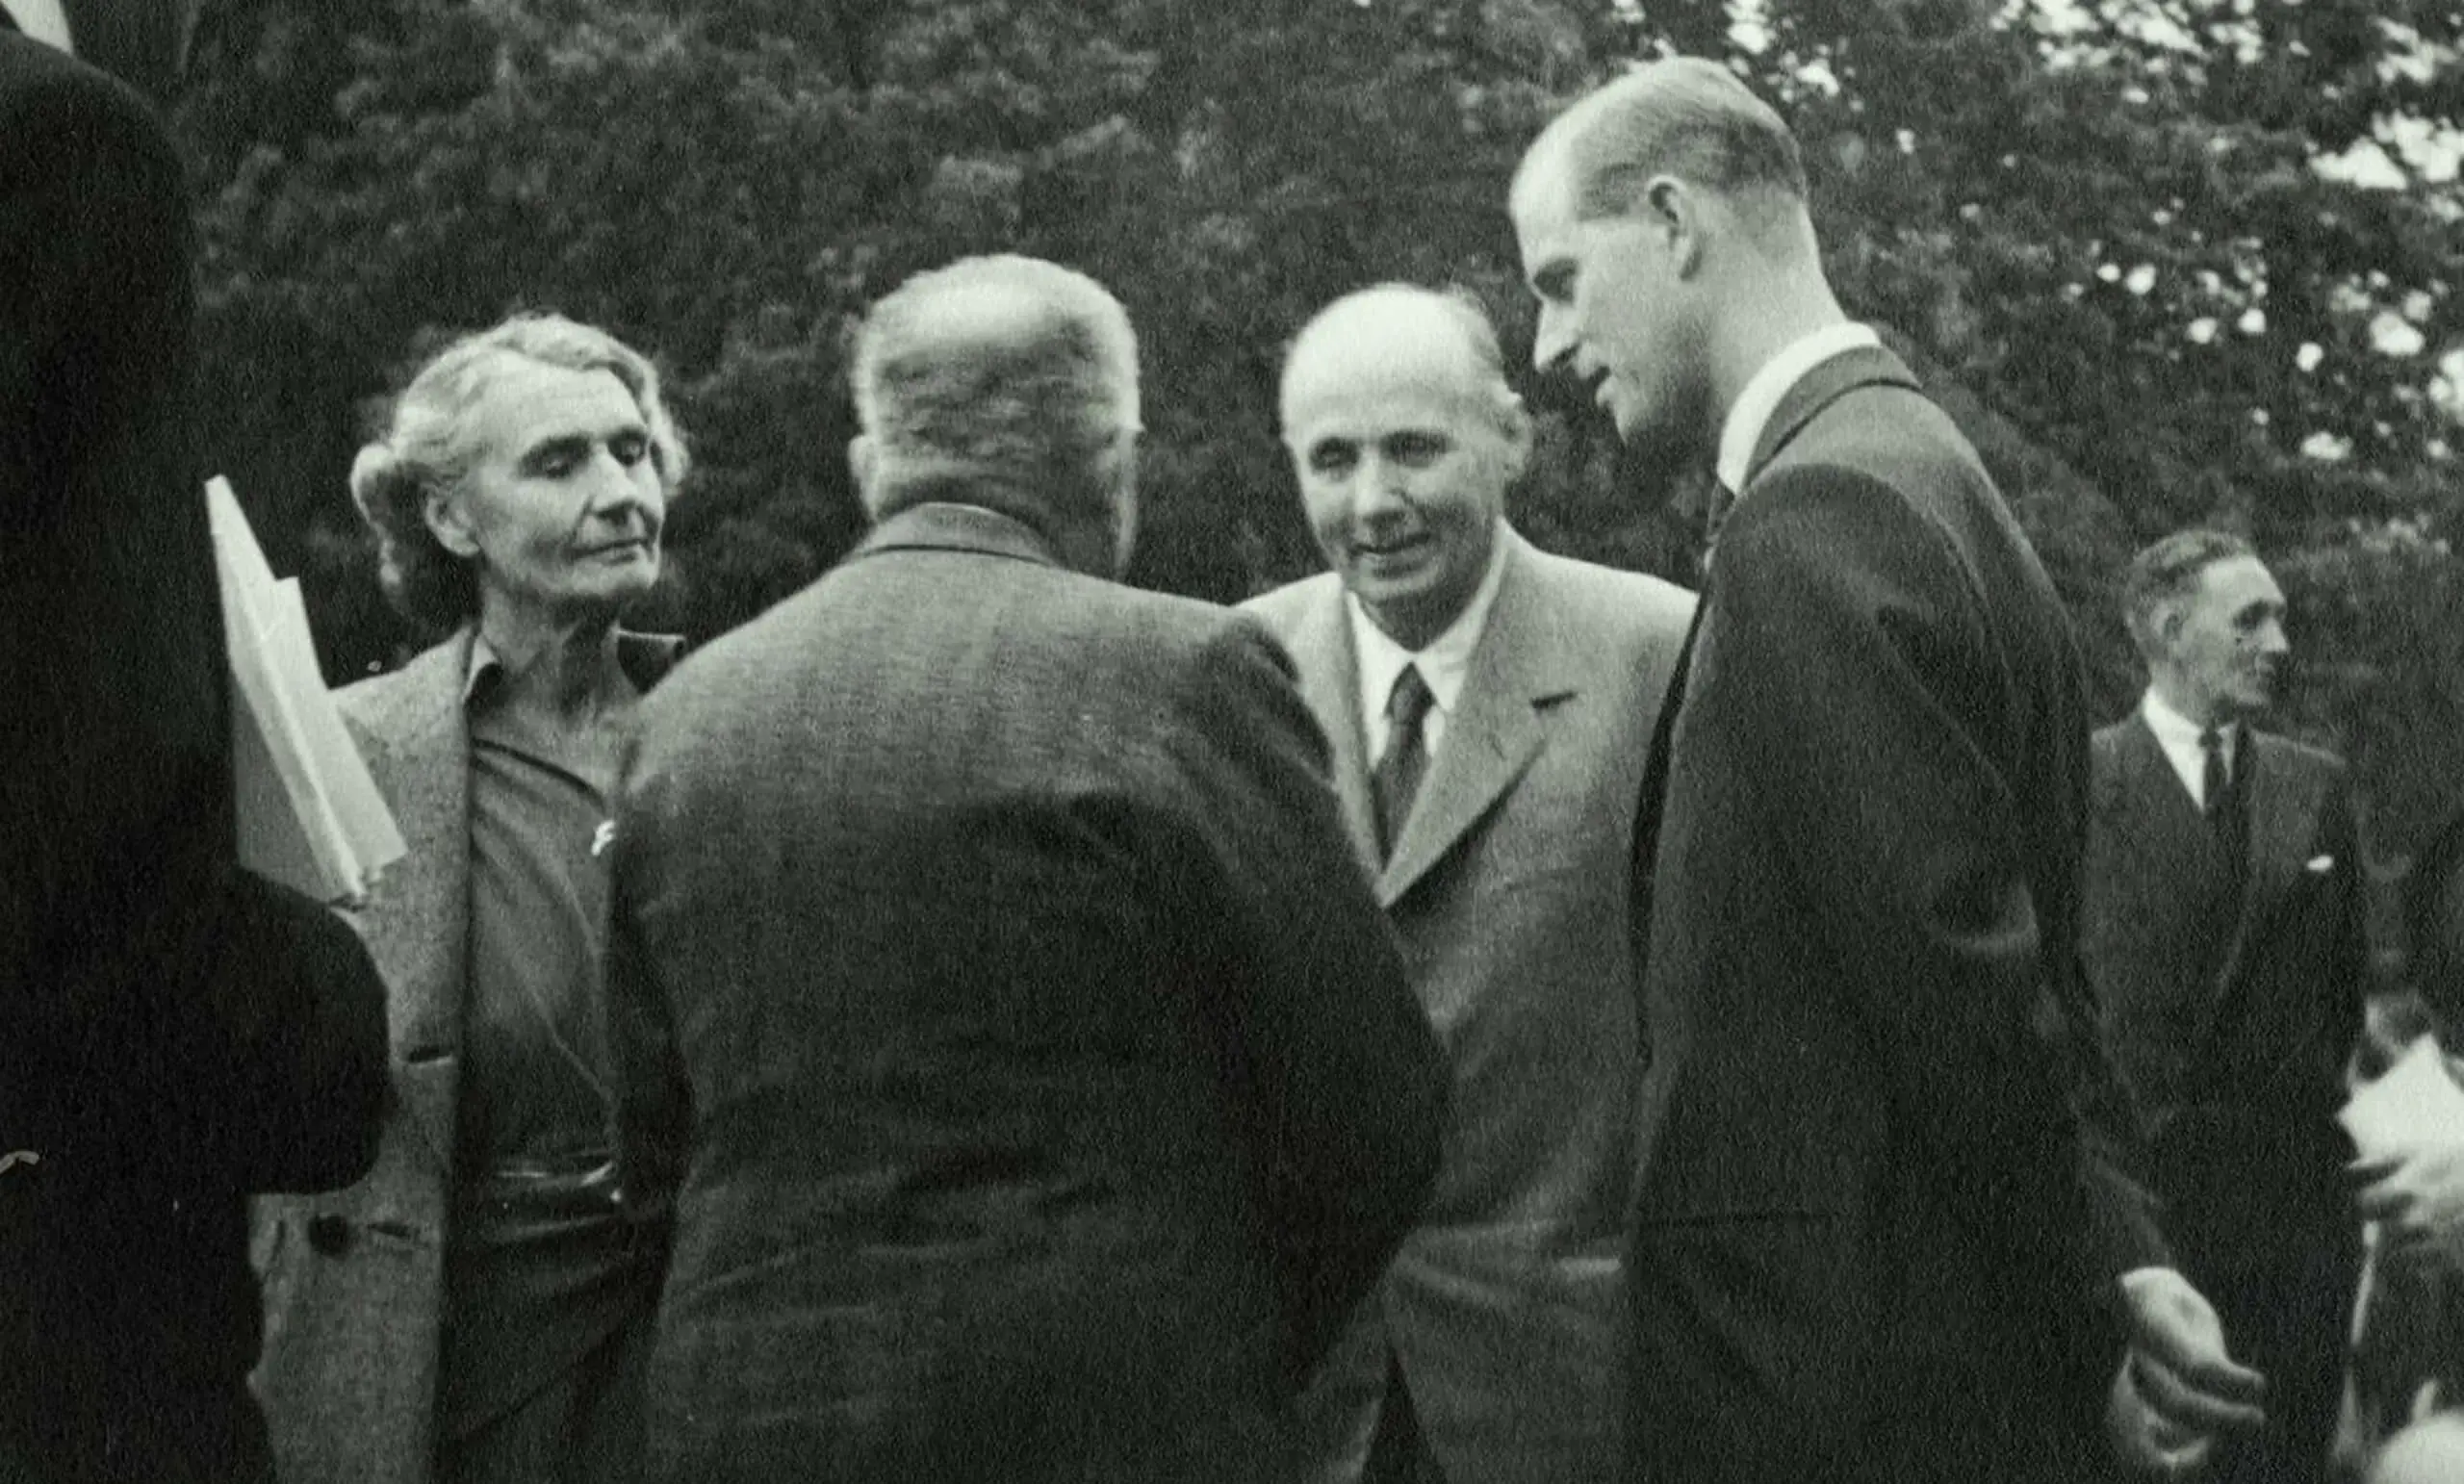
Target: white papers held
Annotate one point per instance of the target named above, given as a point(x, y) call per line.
point(310, 816)
point(2413, 1105)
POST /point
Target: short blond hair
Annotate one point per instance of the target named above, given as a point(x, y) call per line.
point(1685, 117)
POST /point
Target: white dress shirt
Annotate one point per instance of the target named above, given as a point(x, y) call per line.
point(2178, 735)
point(1443, 664)
point(1770, 386)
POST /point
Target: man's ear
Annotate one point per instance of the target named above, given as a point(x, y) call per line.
point(1673, 209)
point(450, 522)
point(1514, 420)
point(864, 466)
point(1124, 492)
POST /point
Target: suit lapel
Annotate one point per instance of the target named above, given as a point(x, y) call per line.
point(2152, 812)
point(417, 919)
point(1817, 389)
point(1496, 728)
point(2283, 819)
point(948, 526)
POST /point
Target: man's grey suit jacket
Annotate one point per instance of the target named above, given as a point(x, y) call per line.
point(1508, 886)
point(1007, 1028)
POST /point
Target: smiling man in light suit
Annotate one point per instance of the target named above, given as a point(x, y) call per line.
point(2222, 926)
point(1489, 707)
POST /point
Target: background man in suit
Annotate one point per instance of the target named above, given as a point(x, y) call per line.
point(1876, 1241)
point(477, 1310)
point(2222, 929)
point(1004, 1017)
point(174, 1032)
point(1489, 707)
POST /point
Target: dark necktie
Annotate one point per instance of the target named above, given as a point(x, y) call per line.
point(2228, 816)
point(1398, 776)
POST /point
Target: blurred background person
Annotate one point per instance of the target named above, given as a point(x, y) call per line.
point(474, 1310)
point(2221, 925)
point(1004, 1017)
point(1490, 706)
point(174, 1031)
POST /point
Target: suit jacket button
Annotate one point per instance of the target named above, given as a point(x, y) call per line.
point(328, 1232)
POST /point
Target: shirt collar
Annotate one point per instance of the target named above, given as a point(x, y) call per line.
point(644, 659)
point(1770, 386)
point(2177, 736)
point(2173, 728)
point(1445, 662)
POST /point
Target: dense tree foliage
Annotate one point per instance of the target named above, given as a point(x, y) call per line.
point(2167, 260)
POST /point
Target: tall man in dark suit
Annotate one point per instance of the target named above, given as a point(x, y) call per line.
point(174, 1032)
point(1005, 1020)
point(1876, 1240)
point(2222, 928)
point(1490, 706)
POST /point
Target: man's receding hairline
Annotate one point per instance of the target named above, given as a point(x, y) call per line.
point(1480, 381)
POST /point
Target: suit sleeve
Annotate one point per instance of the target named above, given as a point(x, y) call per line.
point(1328, 1059)
point(301, 1011)
point(1917, 848)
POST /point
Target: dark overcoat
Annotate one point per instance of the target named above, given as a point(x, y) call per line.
point(1878, 1240)
point(174, 1032)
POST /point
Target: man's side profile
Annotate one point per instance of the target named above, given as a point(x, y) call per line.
point(1876, 1240)
point(174, 1031)
point(2223, 932)
point(1006, 1026)
point(1489, 707)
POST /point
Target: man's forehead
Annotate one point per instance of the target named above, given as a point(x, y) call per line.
point(1543, 199)
point(2236, 581)
point(1387, 348)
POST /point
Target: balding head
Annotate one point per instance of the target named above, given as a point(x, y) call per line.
point(1404, 437)
point(1001, 381)
point(1440, 339)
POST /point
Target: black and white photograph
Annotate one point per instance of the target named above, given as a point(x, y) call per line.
point(1231, 742)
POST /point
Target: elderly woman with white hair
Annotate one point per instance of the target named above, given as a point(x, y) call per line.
point(474, 1310)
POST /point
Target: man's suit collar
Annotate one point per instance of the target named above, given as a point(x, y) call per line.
point(1820, 387)
point(1741, 431)
point(947, 525)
